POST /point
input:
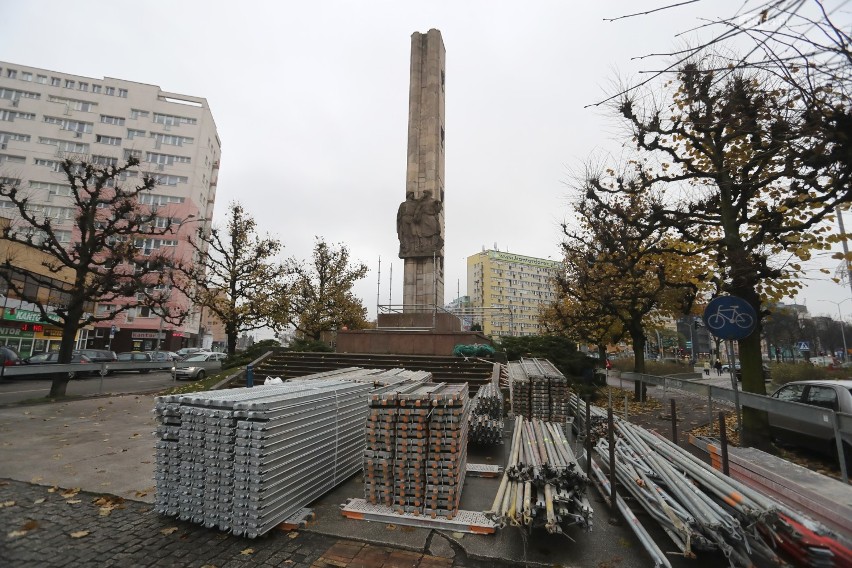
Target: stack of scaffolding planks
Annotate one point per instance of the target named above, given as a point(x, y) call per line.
point(416, 448)
point(539, 390)
point(486, 416)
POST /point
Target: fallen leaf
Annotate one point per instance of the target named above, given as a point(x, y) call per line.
point(73, 501)
point(7, 504)
point(39, 501)
point(16, 534)
point(141, 493)
point(247, 551)
point(78, 534)
point(293, 534)
point(30, 525)
point(68, 493)
point(169, 530)
point(390, 527)
point(135, 436)
point(52, 489)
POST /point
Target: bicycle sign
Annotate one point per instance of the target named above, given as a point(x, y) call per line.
point(730, 317)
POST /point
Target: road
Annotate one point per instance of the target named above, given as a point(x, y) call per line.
point(17, 390)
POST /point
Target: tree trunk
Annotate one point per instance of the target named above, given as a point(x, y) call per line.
point(637, 337)
point(231, 334)
point(755, 422)
point(59, 385)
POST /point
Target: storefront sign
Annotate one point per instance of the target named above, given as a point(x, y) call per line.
point(15, 332)
point(146, 335)
point(14, 314)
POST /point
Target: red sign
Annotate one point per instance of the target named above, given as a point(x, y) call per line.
point(36, 327)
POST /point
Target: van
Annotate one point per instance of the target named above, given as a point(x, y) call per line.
point(825, 361)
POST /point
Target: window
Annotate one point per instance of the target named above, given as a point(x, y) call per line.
point(42, 79)
point(166, 159)
point(148, 246)
point(110, 91)
point(122, 93)
point(104, 160)
point(52, 164)
point(26, 76)
point(53, 189)
point(69, 84)
point(133, 154)
point(53, 212)
point(72, 125)
point(171, 120)
point(133, 133)
point(73, 104)
point(136, 113)
point(7, 159)
point(83, 86)
point(14, 94)
point(10, 181)
point(11, 73)
point(55, 82)
point(111, 140)
point(116, 120)
point(171, 140)
point(793, 393)
point(155, 199)
point(6, 136)
point(65, 145)
point(824, 397)
point(96, 88)
point(170, 180)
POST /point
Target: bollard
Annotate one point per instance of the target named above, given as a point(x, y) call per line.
point(249, 375)
point(674, 422)
point(723, 439)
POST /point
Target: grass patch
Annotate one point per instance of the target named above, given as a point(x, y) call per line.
point(183, 387)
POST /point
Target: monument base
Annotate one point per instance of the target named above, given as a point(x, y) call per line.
point(406, 341)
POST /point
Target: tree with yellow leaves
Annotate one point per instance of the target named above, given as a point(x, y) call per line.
point(735, 159)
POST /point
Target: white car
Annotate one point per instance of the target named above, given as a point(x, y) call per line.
point(198, 365)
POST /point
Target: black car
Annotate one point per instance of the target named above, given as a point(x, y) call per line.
point(135, 357)
point(99, 355)
point(52, 358)
point(8, 356)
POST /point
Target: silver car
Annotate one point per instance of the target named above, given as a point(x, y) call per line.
point(199, 365)
point(833, 395)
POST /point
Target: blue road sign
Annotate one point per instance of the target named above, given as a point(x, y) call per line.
point(730, 317)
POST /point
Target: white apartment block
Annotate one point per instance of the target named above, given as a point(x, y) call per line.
point(507, 292)
point(48, 115)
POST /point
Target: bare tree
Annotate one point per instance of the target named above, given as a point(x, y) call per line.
point(103, 257)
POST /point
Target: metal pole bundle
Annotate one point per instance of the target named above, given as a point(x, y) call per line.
point(698, 508)
point(485, 424)
point(542, 484)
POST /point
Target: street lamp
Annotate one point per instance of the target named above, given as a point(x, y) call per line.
point(842, 331)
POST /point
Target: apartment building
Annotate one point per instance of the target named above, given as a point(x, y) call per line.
point(507, 291)
point(46, 116)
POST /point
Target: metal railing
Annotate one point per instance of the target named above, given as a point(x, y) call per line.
point(840, 422)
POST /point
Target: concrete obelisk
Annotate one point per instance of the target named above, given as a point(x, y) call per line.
point(420, 219)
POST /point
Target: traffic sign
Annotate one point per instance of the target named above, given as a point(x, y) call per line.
point(112, 331)
point(730, 317)
point(803, 346)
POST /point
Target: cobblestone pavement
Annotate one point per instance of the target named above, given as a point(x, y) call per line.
point(53, 527)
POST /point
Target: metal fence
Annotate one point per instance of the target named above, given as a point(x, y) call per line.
point(840, 422)
point(77, 369)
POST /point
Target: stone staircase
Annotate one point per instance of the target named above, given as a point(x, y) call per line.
point(288, 365)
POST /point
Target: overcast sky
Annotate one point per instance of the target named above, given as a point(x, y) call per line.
point(311, 99)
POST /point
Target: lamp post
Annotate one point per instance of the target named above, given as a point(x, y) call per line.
point(842, 331)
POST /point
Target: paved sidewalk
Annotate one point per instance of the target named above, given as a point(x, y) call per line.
point(52, 527)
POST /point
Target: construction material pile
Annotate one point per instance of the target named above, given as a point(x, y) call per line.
point(486, 416)
point(698, 507)
point(244, 460)
point(538, 390)
point(416, 451)
point(542, 484)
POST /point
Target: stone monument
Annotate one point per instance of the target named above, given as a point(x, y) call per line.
point(420, 218)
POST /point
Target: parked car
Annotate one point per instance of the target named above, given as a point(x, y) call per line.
point(163, 355)
point(834, 395)
point(197, 371)
point(52, 358)
point(9, 357)
point(187, 351)
point(99, 355)
point(726, 367)
point(135, 357)
point(767, 374)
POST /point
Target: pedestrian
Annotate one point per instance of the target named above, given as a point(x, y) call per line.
point(707, 368)
point(718, 366)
